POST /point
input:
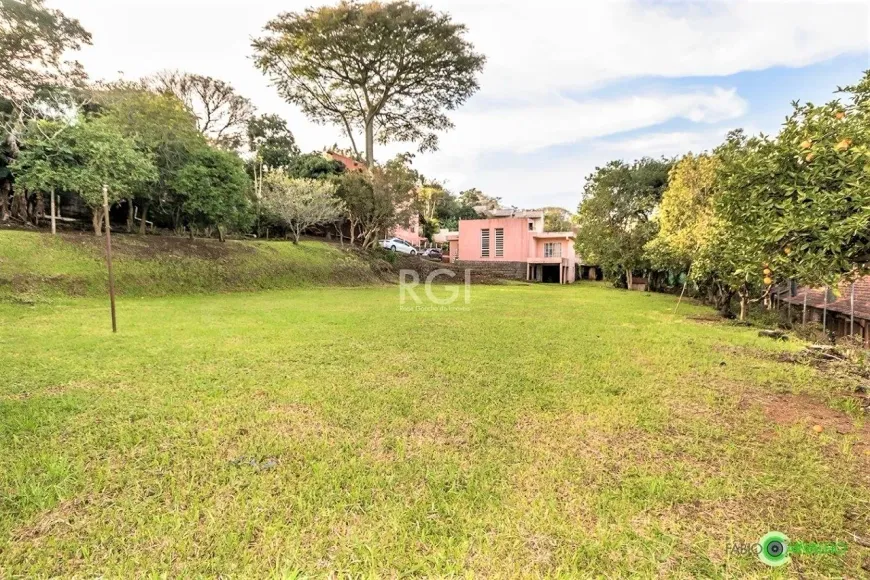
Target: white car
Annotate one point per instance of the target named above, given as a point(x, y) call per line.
point(399, 245)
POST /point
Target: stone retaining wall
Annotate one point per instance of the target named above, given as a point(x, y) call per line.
point(480, 271)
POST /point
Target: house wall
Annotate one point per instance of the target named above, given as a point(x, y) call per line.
point(567, 248)
point(411, 232)
point(518, 241)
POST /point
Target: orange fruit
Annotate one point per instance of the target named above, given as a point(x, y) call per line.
point(806, 144)
point(840, 115)
point(768, 280)
point(843, 145)
point(810, 157)
point(818, 428)
point(787, 250)
point(766, 271)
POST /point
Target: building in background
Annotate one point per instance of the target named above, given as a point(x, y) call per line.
point(512, 243)
point(843, 313)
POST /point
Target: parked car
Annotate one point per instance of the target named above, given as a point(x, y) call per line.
point(432, 254)
point(399, 245)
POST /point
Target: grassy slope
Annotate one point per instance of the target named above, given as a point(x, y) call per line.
point(34, 266)
point(575, 430)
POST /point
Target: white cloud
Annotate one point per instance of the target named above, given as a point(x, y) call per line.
point(559, 120)
point(538, 52)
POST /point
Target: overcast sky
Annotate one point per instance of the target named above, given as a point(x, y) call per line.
point(569, 84)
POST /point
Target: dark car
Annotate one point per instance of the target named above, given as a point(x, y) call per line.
point(432, 254)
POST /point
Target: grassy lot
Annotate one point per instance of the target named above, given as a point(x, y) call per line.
point(36, 267)
point(547, 430)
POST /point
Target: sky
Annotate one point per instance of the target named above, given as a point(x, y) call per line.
point(568, 86)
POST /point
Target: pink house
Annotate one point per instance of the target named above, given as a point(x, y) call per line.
point(516, 246)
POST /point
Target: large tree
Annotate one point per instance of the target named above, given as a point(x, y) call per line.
point(35, 42)
point(271, 142)
point(82, 158)
point(162, 127)
point(212, 189)
point(685, 214)
point(388, 69)
point(614, 219)
point(300, 203)
point(222, 114)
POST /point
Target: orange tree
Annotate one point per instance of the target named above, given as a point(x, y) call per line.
point(821, 230)
point(735, 252)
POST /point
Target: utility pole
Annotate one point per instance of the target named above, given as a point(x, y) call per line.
point(852, 312)
point(109, 256)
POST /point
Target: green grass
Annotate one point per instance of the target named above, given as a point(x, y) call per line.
point(36, 267)
point(576, 431)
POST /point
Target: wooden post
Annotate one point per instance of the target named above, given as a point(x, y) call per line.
point(852, 312)
point(825, 311)
point(53, 212)
point(804, 320)
point(109, 256)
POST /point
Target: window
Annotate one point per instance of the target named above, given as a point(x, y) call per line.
point(553, 250)
point(499, 242)
point(484, 243)
point(531, 225)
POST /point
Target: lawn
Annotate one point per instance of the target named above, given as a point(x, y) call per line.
point(560, 430)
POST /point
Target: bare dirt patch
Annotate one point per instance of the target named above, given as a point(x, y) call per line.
point(788, 409)
point(136, 246)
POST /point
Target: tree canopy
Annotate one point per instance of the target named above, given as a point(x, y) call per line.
point(300, 203)
point(34, 41)
point(222, 115)
point(614, 218)
point(388, 69)
point(83, 157)
point(212, 189)
point(271, 141)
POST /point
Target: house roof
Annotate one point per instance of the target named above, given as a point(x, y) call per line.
point(349, 163)
point(510, 212)
point(838, 303)
point(558, 235)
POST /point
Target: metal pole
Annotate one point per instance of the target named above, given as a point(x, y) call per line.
point(53, 212)
point(109, 256)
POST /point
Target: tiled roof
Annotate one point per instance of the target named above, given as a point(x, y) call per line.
point(349, 163)
point(842, 303)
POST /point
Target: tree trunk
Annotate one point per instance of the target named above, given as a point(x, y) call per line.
point(130, 215)
point(39, 210)
point(97, 220)
point(142, 226)
point(53, 213)
point(5, 188)
point(221, 236)
point(744, 301)
point(19, 205)
point(370, 142)
point(190, 229)
point(724, 303)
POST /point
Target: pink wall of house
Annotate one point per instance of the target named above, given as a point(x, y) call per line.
point(524, 241)
point(412, 232)
point(518, 243)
